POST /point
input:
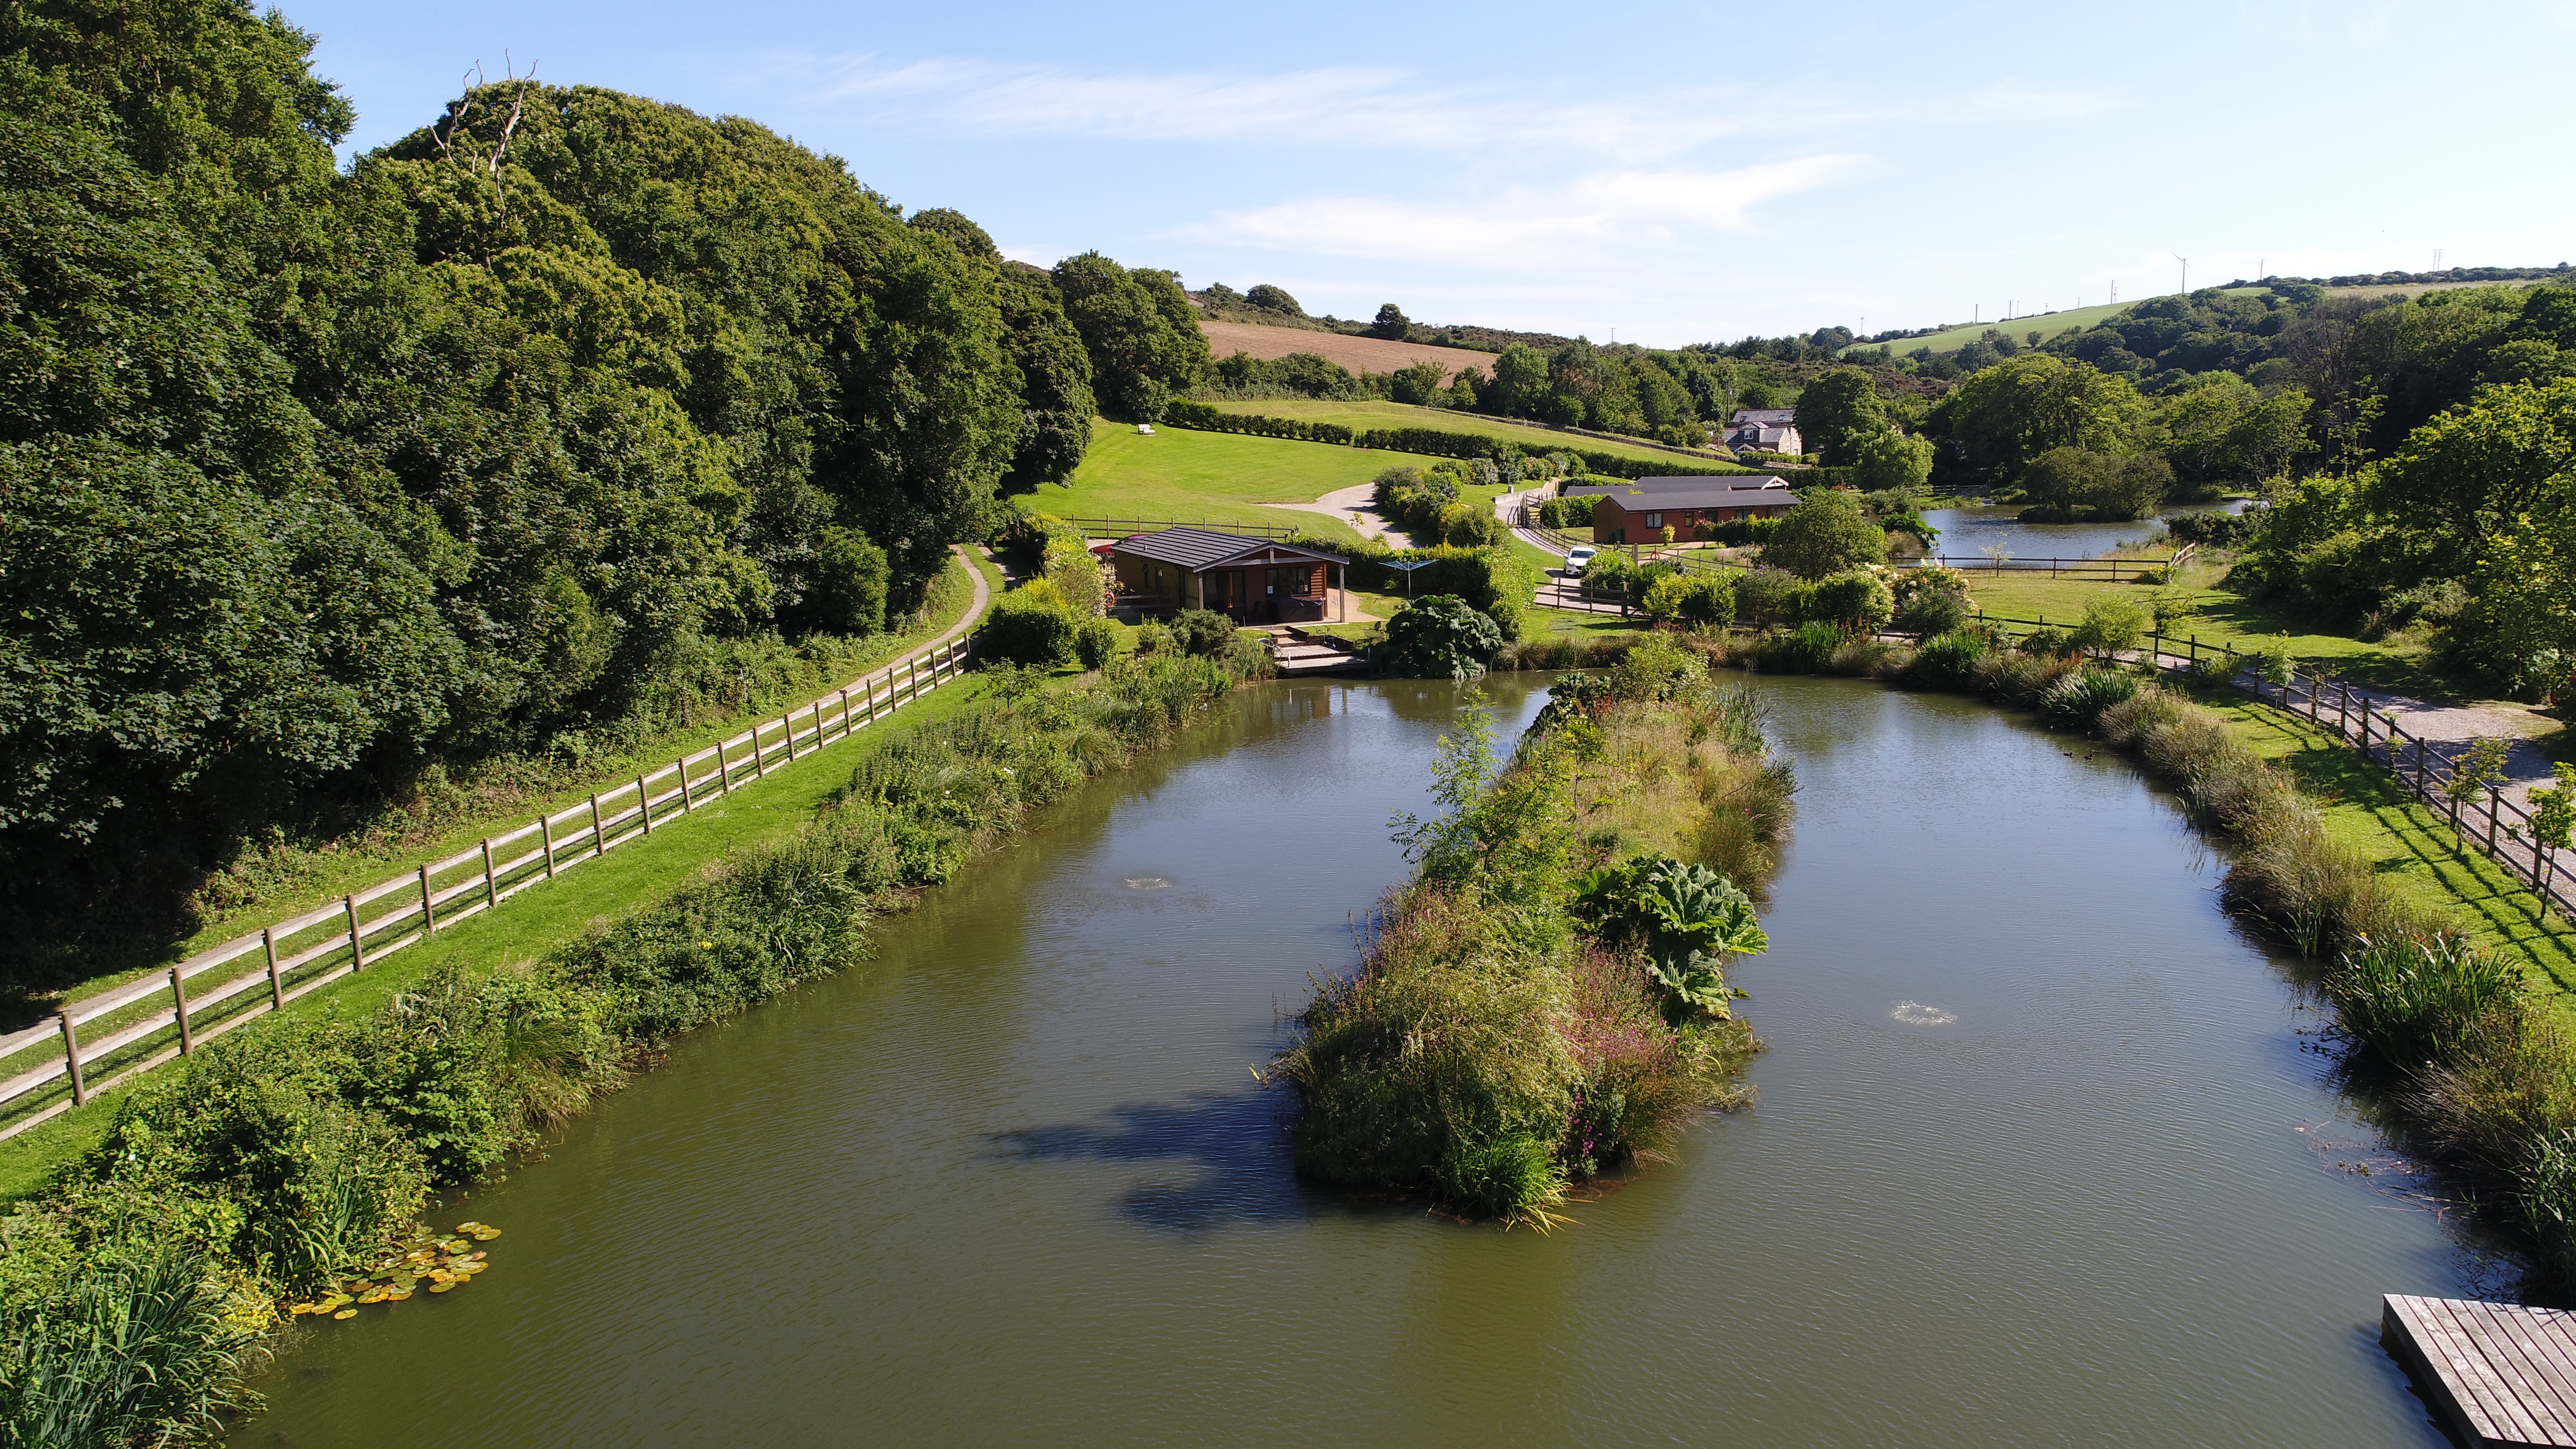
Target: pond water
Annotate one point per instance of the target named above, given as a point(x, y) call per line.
point(2040, 1157)
point(1968, 532)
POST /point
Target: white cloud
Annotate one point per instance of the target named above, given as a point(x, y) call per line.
point(1527, 227)
point(1373, 107)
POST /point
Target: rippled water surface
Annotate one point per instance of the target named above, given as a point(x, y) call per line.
point(2038, 1158)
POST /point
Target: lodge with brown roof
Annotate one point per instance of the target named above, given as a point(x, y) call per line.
point(1252, 580)
point(1640, 510)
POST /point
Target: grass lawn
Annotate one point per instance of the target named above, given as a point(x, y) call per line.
point(2409, 844)
point(1406, 415)
point(2218, 618)
point(1208, 478)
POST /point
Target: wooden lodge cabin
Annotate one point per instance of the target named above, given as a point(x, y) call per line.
point(1640, 511)
point(1254, 580)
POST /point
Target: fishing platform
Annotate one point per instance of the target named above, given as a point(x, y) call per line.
point(2500, 1373)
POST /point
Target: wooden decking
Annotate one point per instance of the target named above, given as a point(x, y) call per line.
point(2499, 1372)
point(1297, 652)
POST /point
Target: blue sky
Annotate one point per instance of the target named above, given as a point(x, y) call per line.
point(1676, 172)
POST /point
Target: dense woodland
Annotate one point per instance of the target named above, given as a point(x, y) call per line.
point(557, 415)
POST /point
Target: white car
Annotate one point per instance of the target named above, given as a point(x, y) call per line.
point(1579, 559)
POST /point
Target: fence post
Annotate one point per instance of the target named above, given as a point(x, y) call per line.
point(2312, 699)
point(491, 887)
point(546, 833)
point(2343, 710)
point(357, 937)
point(868, 694)
point(179, 999)
point(644, 804)
point(598, 832)
point(428, 908)
point(759, 757)
point(2491, 819)
point(787, 732)
point(71, 1056)
point(724, 766)
point(276, 987)
point(845, 714)
point(2423, 748)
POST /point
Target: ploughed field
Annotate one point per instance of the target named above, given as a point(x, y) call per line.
point(2039, 1155)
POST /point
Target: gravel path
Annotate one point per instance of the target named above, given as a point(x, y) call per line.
point(1351, 505)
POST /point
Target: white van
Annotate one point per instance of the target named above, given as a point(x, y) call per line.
point(1579, 559)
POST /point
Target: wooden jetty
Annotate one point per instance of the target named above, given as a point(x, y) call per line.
point(2500, 1373)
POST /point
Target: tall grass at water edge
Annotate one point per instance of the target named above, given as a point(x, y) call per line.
point(2467, 1062)
point(140, 1291)
point(1496, 1045)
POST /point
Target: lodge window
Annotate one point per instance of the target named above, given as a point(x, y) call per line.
point(1299, 582)
point(1654, 520)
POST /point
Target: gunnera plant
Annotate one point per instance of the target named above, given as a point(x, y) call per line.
point(2077, 701)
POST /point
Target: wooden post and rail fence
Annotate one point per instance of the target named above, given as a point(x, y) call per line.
point(2478, 813)
point(173, 1012)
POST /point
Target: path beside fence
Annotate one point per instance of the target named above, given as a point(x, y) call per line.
point(216, 990)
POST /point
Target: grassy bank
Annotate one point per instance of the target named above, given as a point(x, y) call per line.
point(139, 1286)
point(1545, 1000)
point(2447, 982)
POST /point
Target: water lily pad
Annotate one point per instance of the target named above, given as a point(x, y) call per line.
point(485, 1235)
point(440, 1287)
point(346, 1313)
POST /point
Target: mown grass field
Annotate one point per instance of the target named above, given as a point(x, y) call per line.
point(1405, 415)
point(1210, 478)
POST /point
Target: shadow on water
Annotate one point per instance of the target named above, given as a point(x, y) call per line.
point(1234, 1147)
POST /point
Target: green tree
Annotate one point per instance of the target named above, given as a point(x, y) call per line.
point(1520, 382)
point(2010, 413)
point(1418, 384)
point(1839, 414)
point(1141, 331)
point(1390, 323)
point(1273, 299)
point(1829, 531)
point(1889, 461)
point(2480, 470)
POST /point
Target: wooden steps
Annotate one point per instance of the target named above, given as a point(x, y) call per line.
point(2499, 1372)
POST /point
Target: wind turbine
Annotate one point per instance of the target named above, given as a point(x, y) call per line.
point(2186, 271)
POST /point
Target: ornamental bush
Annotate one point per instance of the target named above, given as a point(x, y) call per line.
point(1031, 625)
point(1856, 601)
